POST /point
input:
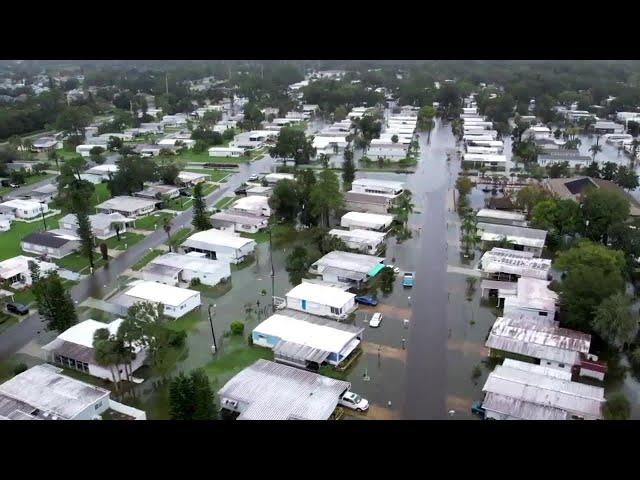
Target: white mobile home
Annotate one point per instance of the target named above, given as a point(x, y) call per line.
point(273, 178)
point(373, 186)
point(44, 393)
point(85, 149)
point(506, 264)
point(346, 268)
point(173, 268)
point(16, 272)
point(220, 245)
point(74, 349)
point(523, 239)
point(225, 152)
point(237, 221)
point(501, 217)
point(51, 244)
point(127, 206)
point(523, 391)
point(23, 208)
point(305, 341)
point(366, 221)
point(366, 241)
point(176, 301)
point(253, 205)
point(103, 225)
point(321, 300)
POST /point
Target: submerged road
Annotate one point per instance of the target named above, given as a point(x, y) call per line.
point(105, 279)
point(426, 377)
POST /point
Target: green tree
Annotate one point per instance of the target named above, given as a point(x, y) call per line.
point(348, 171)
point(464, 185)
point(200, 220)
point(105, 348)
point(114, 144)
point(615, 321)
point(305, 182)
point(237, 327)
point(387, 277)
point(528, 197)
point(285, 200)
point(73, 120)
point(326, 196)
point(593, 170)
point(558, 218)
point(54, 303)
point(609, 171)
point(602, 208)
point(79, 204)
point(293, 144)
point(297, 264)
point(595, 149)
point(617, 407)
point(626, 177)
point(191, 397)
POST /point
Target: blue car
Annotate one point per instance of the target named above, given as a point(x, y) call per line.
point(367, 300)
point(477, 409)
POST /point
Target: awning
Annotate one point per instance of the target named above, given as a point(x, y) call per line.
point(375, 270)
point(300, 353)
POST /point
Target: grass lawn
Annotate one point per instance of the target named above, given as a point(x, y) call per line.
point(126, 240)
point(259, 237)
point(186, 322)
point(180, 203)
point(25, 296)
point(224, 201)
point(234, 355)
point(146, 259)
point(78, 263)
point(100, 194)
point(10, 241)
point(149, 222)
point(181, 235)
point(214, 175)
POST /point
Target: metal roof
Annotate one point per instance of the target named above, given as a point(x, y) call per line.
point(531, 237)
point(44, 388)
point(536, 340)
point(518, 381)
point(159, 292)
point(333, 297)
point(212, 238)
point(47, 239)
point(350, 263)
point(502, 260)
point(273, 391)
point(240, 217)
point(299, 352)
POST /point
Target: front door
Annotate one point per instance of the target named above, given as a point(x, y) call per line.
point(304, 304)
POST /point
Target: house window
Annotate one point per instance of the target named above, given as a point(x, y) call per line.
point(548, 363)
point(561, 365)
point(542, 314)
point(336, 311)
point(97, 405)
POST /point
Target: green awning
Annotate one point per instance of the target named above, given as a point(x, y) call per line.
point(375, 270)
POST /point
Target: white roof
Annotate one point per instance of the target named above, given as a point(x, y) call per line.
point(536, 340)
point(372, 182)
point(44, 388)
point(358, 235)
point(193, 262)
point(251, 202)
point(161, 293)
point(219, 237)
point(187, 176)
point(274, 177)
point(126, 203)
point(101, 169)
point(273, 391)
point(533, 293)
point(82, 333)
point(530, 237)
point(226, 149)
point(15, 266)
point(369, 218)
point(484, 157)
point(521, 387)
point(321, 336)
point(333, 297)
point(516, 263)
point(22, 204)
point(501, 214)
point(355, 262)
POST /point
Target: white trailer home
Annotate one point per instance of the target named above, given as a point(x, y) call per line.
point(176, 301)
point(220, 245)
point(321, 300)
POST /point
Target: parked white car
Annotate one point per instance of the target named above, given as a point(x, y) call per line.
point(376, 320)
point(354, 402)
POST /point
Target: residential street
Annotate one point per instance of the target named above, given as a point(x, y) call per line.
point(105, 279)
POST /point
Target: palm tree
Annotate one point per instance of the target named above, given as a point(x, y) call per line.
point(634, 150)
point(105, 355)
point(594, 149)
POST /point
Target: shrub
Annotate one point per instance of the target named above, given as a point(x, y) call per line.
point(19, 368)
point(250, 340)
point(237, 327)
point(195, 282)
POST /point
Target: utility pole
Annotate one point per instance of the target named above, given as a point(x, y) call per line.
point(166, 83)
point(273, 307)
point(43, 219)
point(214, 347)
